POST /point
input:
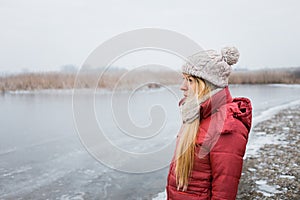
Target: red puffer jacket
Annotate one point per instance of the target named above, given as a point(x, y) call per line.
point(220, 146)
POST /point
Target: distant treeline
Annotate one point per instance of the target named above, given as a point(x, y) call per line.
point(123, 79)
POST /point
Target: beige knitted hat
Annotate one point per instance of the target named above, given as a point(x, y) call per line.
point(212, 66)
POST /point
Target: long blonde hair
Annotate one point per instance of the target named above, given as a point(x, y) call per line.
point(185, 146)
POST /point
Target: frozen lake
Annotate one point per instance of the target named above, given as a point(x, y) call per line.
point(42, 157)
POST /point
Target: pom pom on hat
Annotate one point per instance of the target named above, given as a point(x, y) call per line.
point(231, 55)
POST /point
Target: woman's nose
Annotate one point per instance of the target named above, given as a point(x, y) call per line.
point(184, 86)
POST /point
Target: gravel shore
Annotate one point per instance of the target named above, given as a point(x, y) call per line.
point(274, 172)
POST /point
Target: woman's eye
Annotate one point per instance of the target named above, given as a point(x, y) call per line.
point(190, 80)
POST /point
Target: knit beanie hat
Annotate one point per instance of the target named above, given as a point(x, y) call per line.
point(212, 66)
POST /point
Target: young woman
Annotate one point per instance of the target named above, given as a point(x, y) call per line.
point(212, 140)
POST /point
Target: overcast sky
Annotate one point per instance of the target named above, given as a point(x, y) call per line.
point(47, 34)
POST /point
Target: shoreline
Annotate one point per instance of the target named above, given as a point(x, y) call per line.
point(254, 143)
point(274, 172)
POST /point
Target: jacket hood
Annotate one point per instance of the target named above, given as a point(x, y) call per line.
point(243, 111)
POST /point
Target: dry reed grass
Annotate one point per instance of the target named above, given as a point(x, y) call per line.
point(266, 76)
point(122, 79)
point(109, 80)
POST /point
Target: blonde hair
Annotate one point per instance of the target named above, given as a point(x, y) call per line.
point(185, 146)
